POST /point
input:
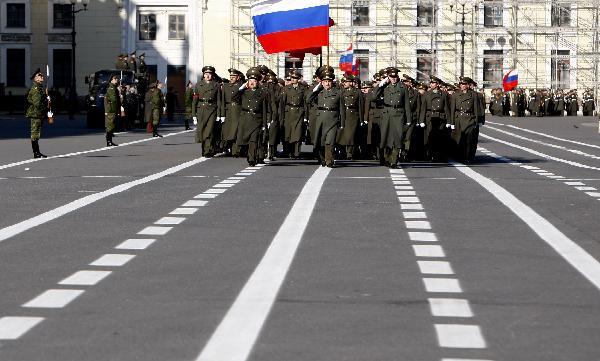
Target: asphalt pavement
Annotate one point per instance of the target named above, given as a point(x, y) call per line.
point(148, 251)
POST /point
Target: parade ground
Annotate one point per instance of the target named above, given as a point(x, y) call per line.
point(148, 251)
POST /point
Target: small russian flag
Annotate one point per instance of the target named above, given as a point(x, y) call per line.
point(510, 80)
point(347, 61)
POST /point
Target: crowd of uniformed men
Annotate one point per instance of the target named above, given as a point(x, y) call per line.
point(541, 102)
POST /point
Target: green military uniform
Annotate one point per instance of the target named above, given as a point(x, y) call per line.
point(354, 109)
point(121, 63)
point(463, 113)
point(435, 113)
point(36, 112)
point(395, 116)
point(253, 118)
point(188, 99)
point(413, 135)
point(148, 106)
point(205, 108)
point(573, 104)
point(142, 68)
point(112, 109)
point(275, 93)
point(230, 110)
point(559, 100)
point(157, 102)
point(292, 109)
point(373, 110)
point(588, 104)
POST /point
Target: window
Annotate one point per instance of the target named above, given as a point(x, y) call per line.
point(492, 68)
point(360, 13)
point(15, 67)
point(561, 14)
point(293, 63)
point(62, 16)
point(177, 79)
point(424, 64)
point(561, 69)
point(492, 14)
point(147, 26)
point(61, 68)
point(176, 27)
point(15, 15)
point(362, 63)
point(425, 13)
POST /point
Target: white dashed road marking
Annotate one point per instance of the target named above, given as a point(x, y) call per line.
point(53, 299)
point(113, 260)
point(442, 285)
point(11, 328)
point(450, 307)
point(155, 231)
point(460, 336)
point(85, 278)
point(136, 243)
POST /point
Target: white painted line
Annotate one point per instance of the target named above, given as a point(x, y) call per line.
point(406, 193)
point(85, 278)
point(463, 359)
point(230, 181)
point(460, 336)
point(396, 171)
point(411, 206)
point(237, 178)
point(414, 215)
point(581, 260)
point(170, 220)
point(401, 182)
point(586, 188)
point(442, 285)
point(450, 307)
point(433, 251)
point(435, 267)
point(31, 177)
point(112, 260)
point(195, 203)
point(223, 185)
point(235, 336)
point(546, 174)
point(183, 211)
point(529, 167)
point(556, 177)
point(155, 231)
point(206, 196)
point(539, 171)
point(103, 176)
point(574, 183)
point(593, 194)
point(252, 169)
point(11, 328)
point(55, 213)
point(404, 188)
point(243, 174)
point(409, 200)
point(215, 191)
point(417, 224)
point(53, 299)
point(422, 236)
point(195, 176)
point(136, 243)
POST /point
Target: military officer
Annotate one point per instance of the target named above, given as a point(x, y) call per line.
point(588, 103)
point(330, 116)
point(572, 104)
point(157, 104)
point(205, 107)
point(112, 109)
point(435, 113)
point(396, 115)
point(463, 114)
point(413, 134)
point(354, 109)
point(142, 68)
point(121, 63)
point(559, 100)
point(188, 99)
point(275, 90)
point(292, 113)
point(229, 111)
point(253, 115)
point(133, 66)
point(37, 111)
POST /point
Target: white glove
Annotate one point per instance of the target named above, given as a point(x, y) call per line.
point(165, 109)
point(50, 114)
point(268, 125)
point(452, 126)
point(263, 128)
point(341, 127)
point(317, 87)
point(222, 119)
point(364, 123)
point(122, 109)
point(244, 86)
point(306, 121)
point(422, 125)
point(447, 125)
point(384, 81)
point(48, 97)
point(195, 121)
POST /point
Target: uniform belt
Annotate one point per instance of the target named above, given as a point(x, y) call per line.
point(246, 110)
point(393, 106)
point(293, 105)
point(206, 101)
point(433, 114)
point(466, 113)
point(329, 109)
point(351, 108)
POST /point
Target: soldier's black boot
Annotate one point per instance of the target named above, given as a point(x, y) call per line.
point(155, 133)
point(187, 124)
point(36, 150)
point(109, 141)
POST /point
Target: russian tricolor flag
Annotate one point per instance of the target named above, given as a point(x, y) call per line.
point(347, 61)
point(510, 80)
point(284, 25)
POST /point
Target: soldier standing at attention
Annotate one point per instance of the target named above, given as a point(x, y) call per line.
point(112, 107)
point(273, 122)
point(588, 103)
point(205, 108)
point(330, 115)
point(36, 111)
point(156, 106)
point(148, 106)
point(254, 114)
point(463, 114)
point(142, 64)
point(188, 98)
point(435, 113)
point(133, 62)
point(396, 113)
point(293, 112)
point(354, 108)
point(230, 112)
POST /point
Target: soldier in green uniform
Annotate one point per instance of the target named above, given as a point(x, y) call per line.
point(275, 91)
point(435, 113)
point(573, 103)
point(157, 103)
point(396, 114)
point(37, 111)
point(311, 115)
point(412, 143)
point(229, 111)
point(588, 103)
point(112, 109)
point(205, 108)
point(142, 68)
point(253, 116)
point(329, 117)
point(148, 106)
point(463, 114)
point(292, 113)
point(188, 98)
point(121, 63)
point(354, 109)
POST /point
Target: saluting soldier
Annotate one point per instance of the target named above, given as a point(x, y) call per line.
point(37, 111)
point(396, 114)
point(157, 102)
point(205, 108)
point(188, 99)
point(253, 116)
point(435, 113)
point(229, 111)
point(354, 109)
point(112, 109)
point(464, 110)
point(329, 117)
point(292, 113)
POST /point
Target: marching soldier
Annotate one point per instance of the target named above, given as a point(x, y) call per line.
point(292, 114)
point(37, 111)
point(275, 91)
point(572, 105)
point(230, 112)
point(354, 108)
point(329, 117)
point(588, 104)
point(396, 114)
point(413, 135)
point(205, 107)
point(559, 100)
point(112, 108)
point(464, 110)
point(435, 113)
point(373, 110)
point(254, 114)
point(188, 99)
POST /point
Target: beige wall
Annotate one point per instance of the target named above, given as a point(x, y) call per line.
point(217, 35)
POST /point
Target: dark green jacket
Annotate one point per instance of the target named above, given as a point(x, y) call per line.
point(37, 102)
point(112, 101)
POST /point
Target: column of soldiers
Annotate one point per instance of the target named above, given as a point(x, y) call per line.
point(540, 103)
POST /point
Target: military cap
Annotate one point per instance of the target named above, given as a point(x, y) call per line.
point(133, 52)
point(466, 79)
point(322, 69)
point(409, 78)
point(271, 77)
point(208, 69)
point(435, 79)
point(281, 82)
point(264, 70)
point(422, 86)
point(112, 76)
point(391, 71)
point(235, 72)
point(450, 87)
point(366, 85)
point(347, 78)
point(327, 74)
point(36, 72)
point(294, 74)
point(254, 73)
point(142, 55)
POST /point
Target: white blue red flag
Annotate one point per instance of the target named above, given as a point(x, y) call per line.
point(347, 63)
point(510, 80)
point(284, 25)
